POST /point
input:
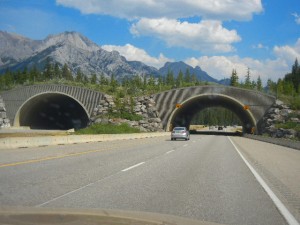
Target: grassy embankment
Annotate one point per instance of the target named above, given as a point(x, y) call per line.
point(108, 129)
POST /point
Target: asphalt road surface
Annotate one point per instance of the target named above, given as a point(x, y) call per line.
point(203, 179)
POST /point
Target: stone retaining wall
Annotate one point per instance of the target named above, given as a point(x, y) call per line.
point(143, 106)
point(277, 114)
point(4, 121)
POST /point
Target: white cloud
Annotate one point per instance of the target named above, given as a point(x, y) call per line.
point(290, 53)
point(221, 67)
point(159, 19)
point(260, 46)
point(205, 36)
point(132, 9)
point(133, 53)
point(297, 18)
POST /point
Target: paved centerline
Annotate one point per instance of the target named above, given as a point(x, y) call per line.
point(131, 167)
point(49, 158)
point(75, 190)
point(169, 152)
point(280, 206)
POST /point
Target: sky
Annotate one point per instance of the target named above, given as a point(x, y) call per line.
point(217, 35)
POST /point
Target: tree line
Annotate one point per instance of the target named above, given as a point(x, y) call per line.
point(133, 86)
point(289, 85)
point(214, 116)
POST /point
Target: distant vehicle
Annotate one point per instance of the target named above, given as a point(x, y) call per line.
point(180, 133)
point(220, 128)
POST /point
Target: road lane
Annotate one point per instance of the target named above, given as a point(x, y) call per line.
point(201, 179)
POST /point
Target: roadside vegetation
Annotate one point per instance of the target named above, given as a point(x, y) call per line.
point(108, 129)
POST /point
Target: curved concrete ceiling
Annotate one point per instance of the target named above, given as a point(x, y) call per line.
point(52, 111)
point(183, 115)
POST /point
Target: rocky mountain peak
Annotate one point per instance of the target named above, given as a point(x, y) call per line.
point(73, 39)
point(14, 47)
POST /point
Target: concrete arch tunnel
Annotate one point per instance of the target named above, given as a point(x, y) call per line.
point(183, 115)
point(194, 99)
point(52, 111)
point(51, 106)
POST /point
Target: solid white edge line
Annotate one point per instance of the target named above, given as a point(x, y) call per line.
point(131, 167)
point(291, 220)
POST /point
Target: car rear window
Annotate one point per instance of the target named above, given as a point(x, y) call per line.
point(179, 128)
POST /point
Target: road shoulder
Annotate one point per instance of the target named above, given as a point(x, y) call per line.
point(278, 166)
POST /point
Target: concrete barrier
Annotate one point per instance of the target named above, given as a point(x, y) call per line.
point(26, 142)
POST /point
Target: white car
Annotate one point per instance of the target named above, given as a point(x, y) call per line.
point(180, 133)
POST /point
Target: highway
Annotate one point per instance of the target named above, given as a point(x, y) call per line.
point(204, 178)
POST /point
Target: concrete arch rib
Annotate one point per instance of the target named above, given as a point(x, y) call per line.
point(183, 115)
point(52, 110)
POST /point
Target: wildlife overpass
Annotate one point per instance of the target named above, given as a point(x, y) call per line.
point(64, 107)
point(177, 107)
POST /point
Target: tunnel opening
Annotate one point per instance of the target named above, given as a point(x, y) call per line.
point(52, 111)
point(184, 114)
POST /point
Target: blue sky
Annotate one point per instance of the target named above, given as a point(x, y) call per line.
point(217, 35)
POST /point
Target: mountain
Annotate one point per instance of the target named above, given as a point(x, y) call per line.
point(14, 48)
point(72, 48)
point(225, 81)
point(78, 52)
point(176, 67)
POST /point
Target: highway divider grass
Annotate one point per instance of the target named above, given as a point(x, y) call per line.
point(108, 129)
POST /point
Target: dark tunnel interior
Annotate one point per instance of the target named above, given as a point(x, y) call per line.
point(53, 111)
point(184, 115)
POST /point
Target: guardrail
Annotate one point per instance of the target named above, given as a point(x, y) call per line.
point(25, 142)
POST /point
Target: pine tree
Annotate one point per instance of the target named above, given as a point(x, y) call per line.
point(179, 79)
point(170, 78)
point(79, 76)
point(259, 84)
point(7, 79)
point(85, 79)
point(151, 81)
point(253, 84)
point(66, 73)
point(294, 76)
point(234, 79)
point(103, 79)
point(49, 69)
point(34, 74)
point(57, 71)
point(194, 79)
point(187, 76)
point(248, 80)
point(113, 83)
point(93, 78)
